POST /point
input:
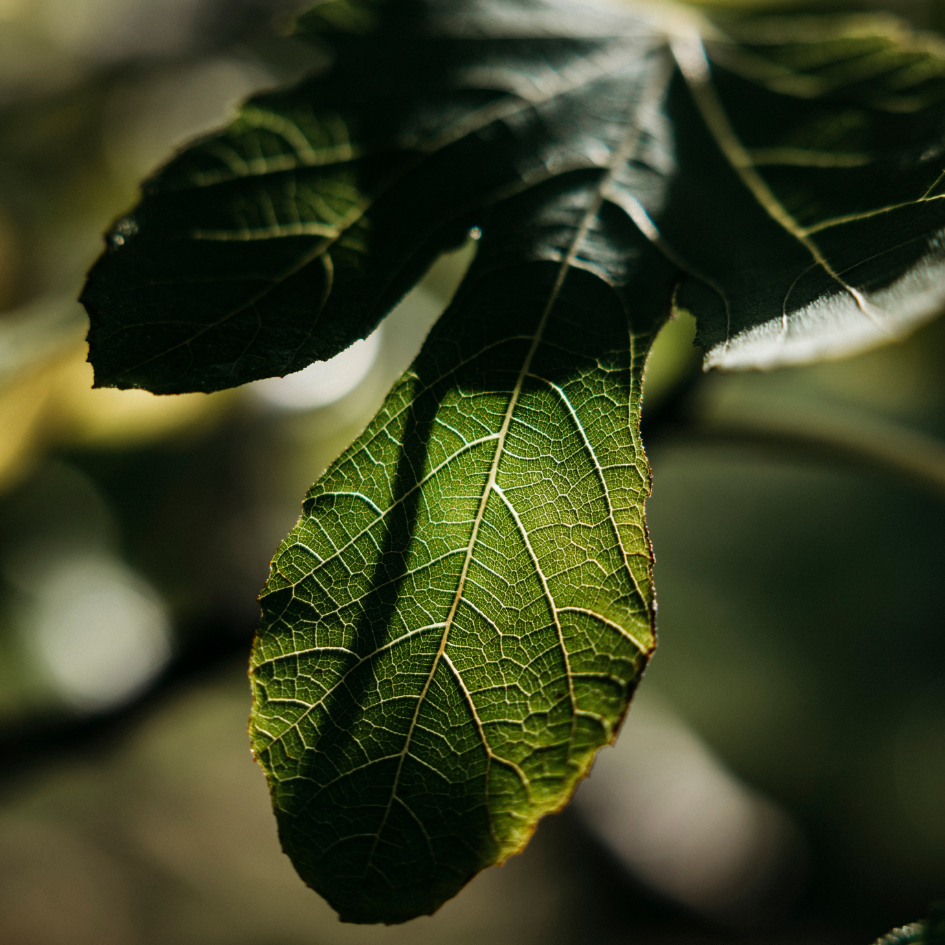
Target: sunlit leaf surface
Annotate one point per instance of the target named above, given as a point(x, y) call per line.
point(459, 619)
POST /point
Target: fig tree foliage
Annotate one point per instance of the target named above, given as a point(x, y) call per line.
point(460, 617)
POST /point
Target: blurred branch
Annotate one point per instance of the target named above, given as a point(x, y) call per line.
point(37, 740)
point(842, 439)
point(903, 455)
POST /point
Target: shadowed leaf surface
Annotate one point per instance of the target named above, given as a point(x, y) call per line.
point(797, 185)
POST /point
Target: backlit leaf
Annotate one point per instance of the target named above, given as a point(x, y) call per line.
point(458, 621)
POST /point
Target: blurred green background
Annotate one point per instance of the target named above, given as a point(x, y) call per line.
point(782, 778)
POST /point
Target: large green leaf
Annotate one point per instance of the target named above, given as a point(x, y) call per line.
point(457, 622)
point(797, 182)
point(289, 235)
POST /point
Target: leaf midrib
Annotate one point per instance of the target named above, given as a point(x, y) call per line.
point(622, 153)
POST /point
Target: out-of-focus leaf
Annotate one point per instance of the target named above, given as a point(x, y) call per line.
point(23, 406)
point(927, 932)
point(53, 404)
point(457, 622)
point(346, 16)
point(81, 416)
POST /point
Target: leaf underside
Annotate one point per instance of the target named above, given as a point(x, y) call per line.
point(459, 619)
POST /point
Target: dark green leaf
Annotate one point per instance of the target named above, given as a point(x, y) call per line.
point(798, 183)
point(828, 171)
point(288, 236)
